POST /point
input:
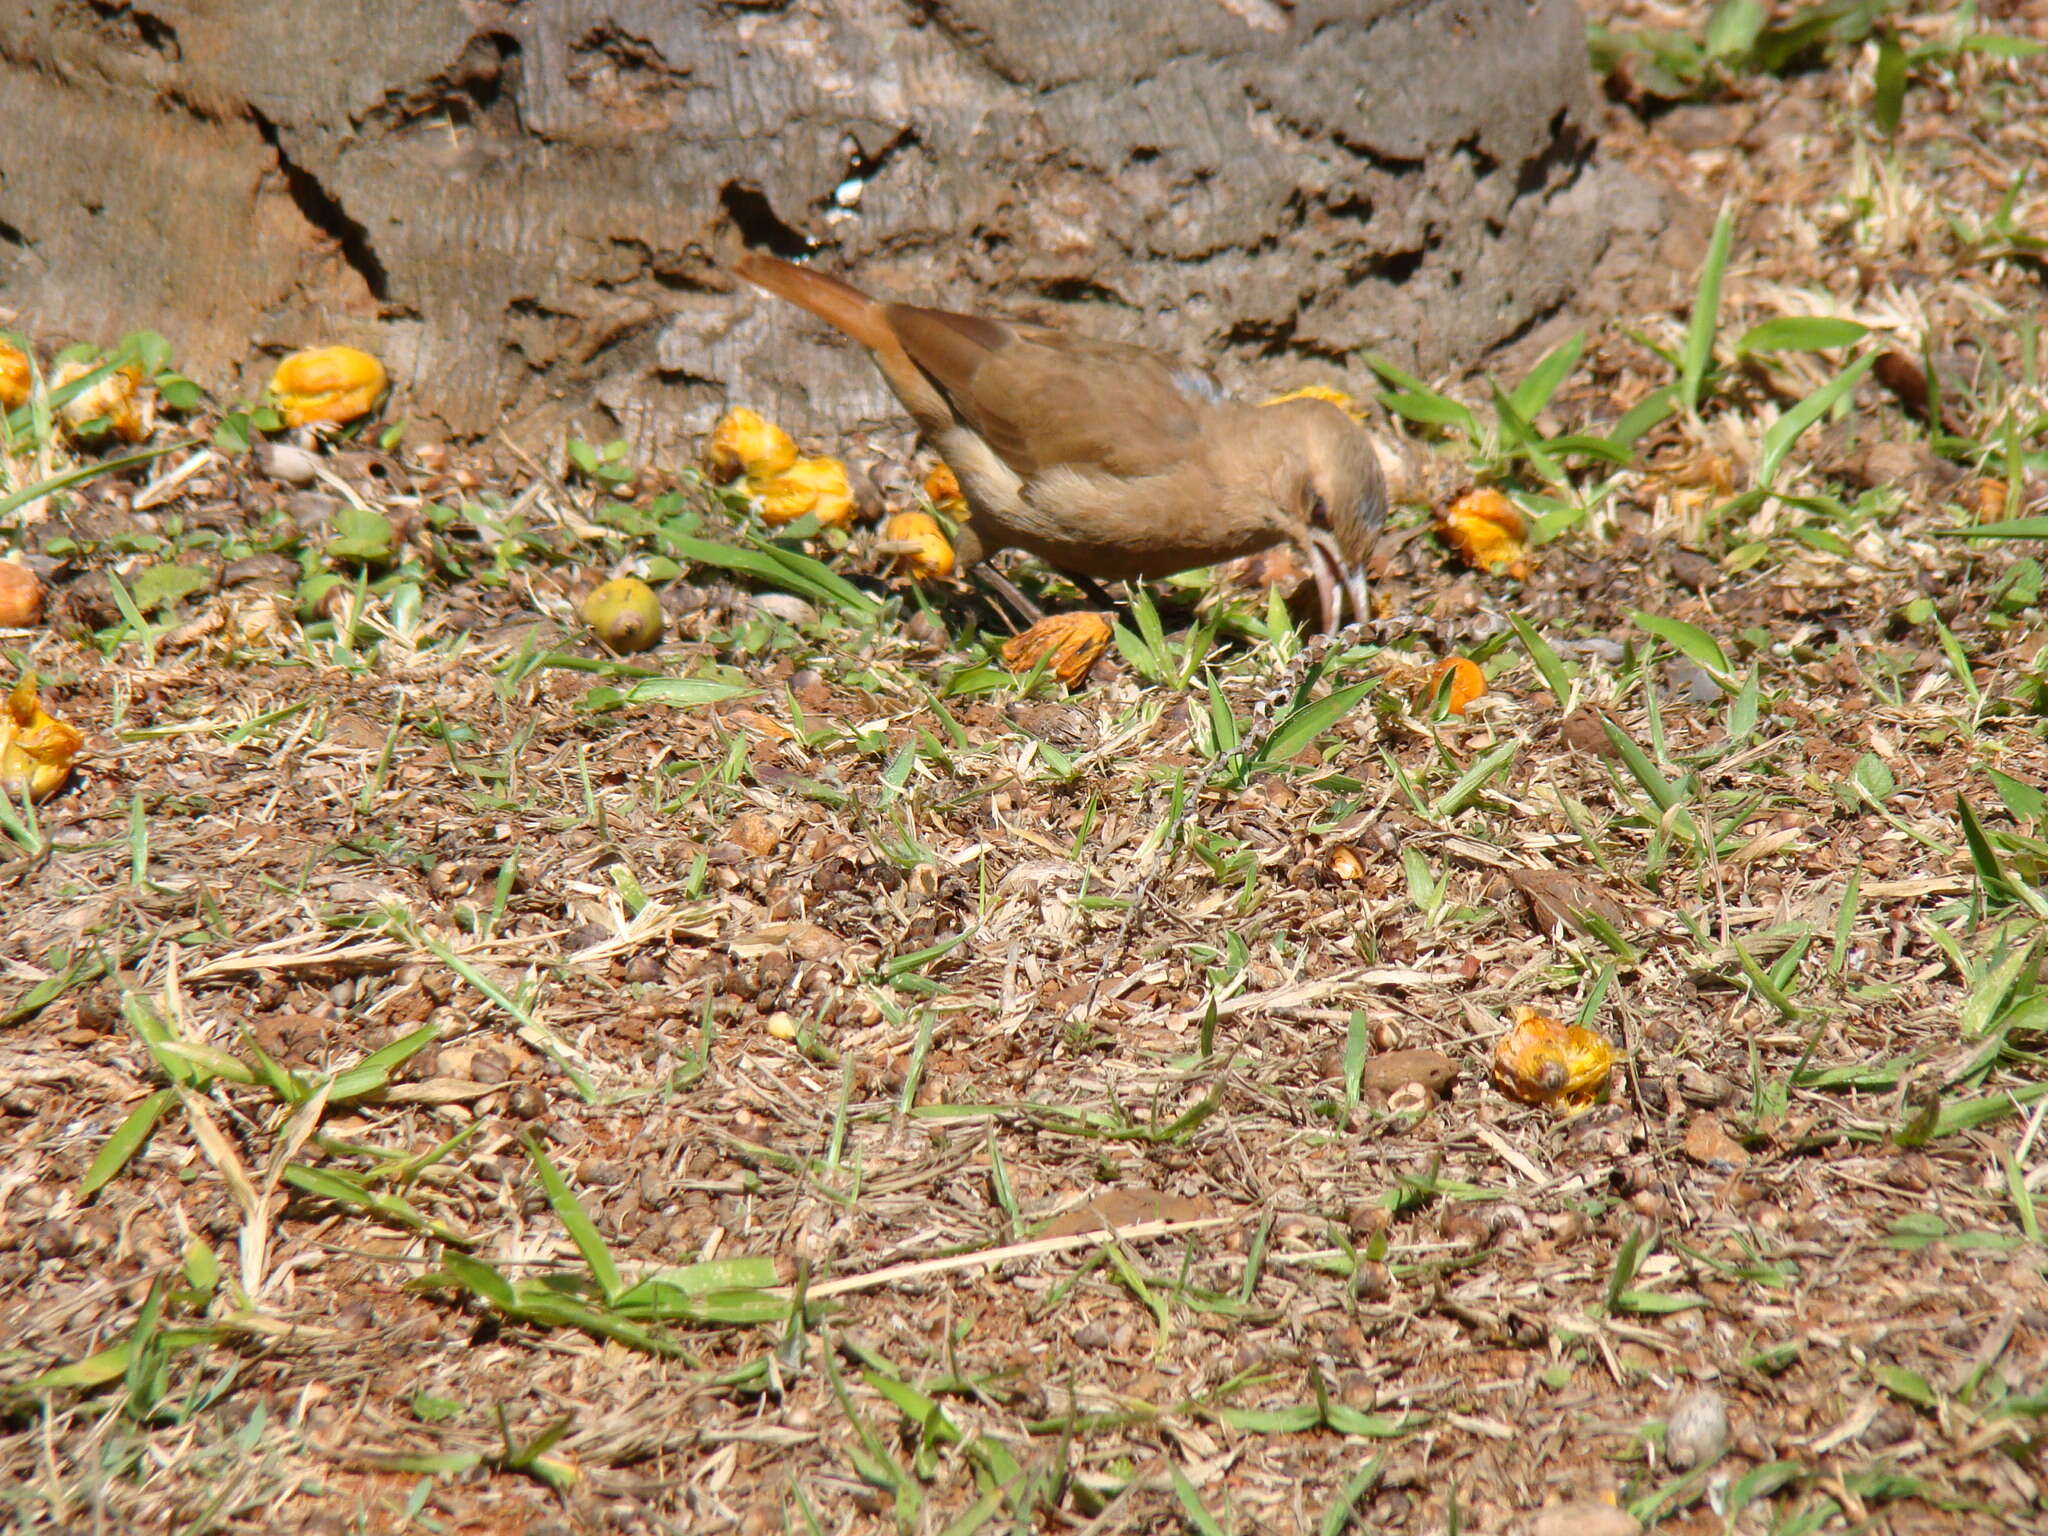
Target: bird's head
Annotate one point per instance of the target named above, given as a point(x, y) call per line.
point(1332, 497)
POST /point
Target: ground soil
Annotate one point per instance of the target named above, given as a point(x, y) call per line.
point(1097, 1228)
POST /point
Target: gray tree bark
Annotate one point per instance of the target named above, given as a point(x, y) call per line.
point(514, 204)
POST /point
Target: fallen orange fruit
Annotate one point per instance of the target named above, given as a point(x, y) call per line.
point(1468, 683)
point(942, 489)
point(21, 596)
point(117, 399)
point(624, 614)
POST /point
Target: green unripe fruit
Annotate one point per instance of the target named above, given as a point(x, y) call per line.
point(624, 614)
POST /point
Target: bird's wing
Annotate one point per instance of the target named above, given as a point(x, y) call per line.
point(1042, 398)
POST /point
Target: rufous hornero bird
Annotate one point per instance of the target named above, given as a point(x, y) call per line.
point(1107, 460)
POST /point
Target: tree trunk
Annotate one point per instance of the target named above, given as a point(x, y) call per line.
point(514, 204)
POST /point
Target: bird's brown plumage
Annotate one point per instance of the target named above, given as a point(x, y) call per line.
point(1104, 459)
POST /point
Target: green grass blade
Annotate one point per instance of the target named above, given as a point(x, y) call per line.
point(1666, 794)
point(1653, 410)
point(1786, 430)
point(355, 1195)
point(126, 1141)
point(1475, 779)
point(782, 568)
point(1204, 1523)
point(375, 1069)
point(1888, 85)
point(1535, 391)
point(85, 472)
point(582, 1230)
point(1549, 665)
point(1302, 726)
point(1698, 353)
point(1800, 333)
point(1337, 1518)
point(1692, 641)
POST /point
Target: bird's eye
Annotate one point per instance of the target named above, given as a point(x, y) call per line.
point(1318, 509)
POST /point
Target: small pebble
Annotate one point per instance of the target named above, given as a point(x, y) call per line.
point(784, 606)
point(1583, 732)
point(1691, 683)
point(1706, 1090)
point(1696, 1434)
point(1581, 1517)
point(1692, 571)
point(287, 463)
point(1382, 1075)
point(924, 632)
point(1593, 648)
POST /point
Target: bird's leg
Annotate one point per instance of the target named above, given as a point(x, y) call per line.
point(1092, 588)
point(1023, 607)
point(1020, 606)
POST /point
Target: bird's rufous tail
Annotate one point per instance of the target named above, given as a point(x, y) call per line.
point(836, 303)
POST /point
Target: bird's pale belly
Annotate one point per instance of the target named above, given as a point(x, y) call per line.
point(1118, 529)
point(1164, 551)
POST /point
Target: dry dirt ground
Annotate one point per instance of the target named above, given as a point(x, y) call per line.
point(449, 1082)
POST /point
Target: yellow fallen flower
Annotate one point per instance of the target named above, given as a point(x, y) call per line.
point(1541, 1060)
point(746, 443)
point(817, 486)
point(942, 489)
point(16, 377)
point(36, 748)
point(327, 384)
point(1072, 640)
point(119, 399)
point(1487, 532)
point(1336, 397)
point(917, 546)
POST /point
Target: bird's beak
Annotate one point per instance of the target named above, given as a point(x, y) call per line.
point(1361, 595)
point(1337, 581)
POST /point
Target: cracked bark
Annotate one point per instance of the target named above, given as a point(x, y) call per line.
point(513, 204)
